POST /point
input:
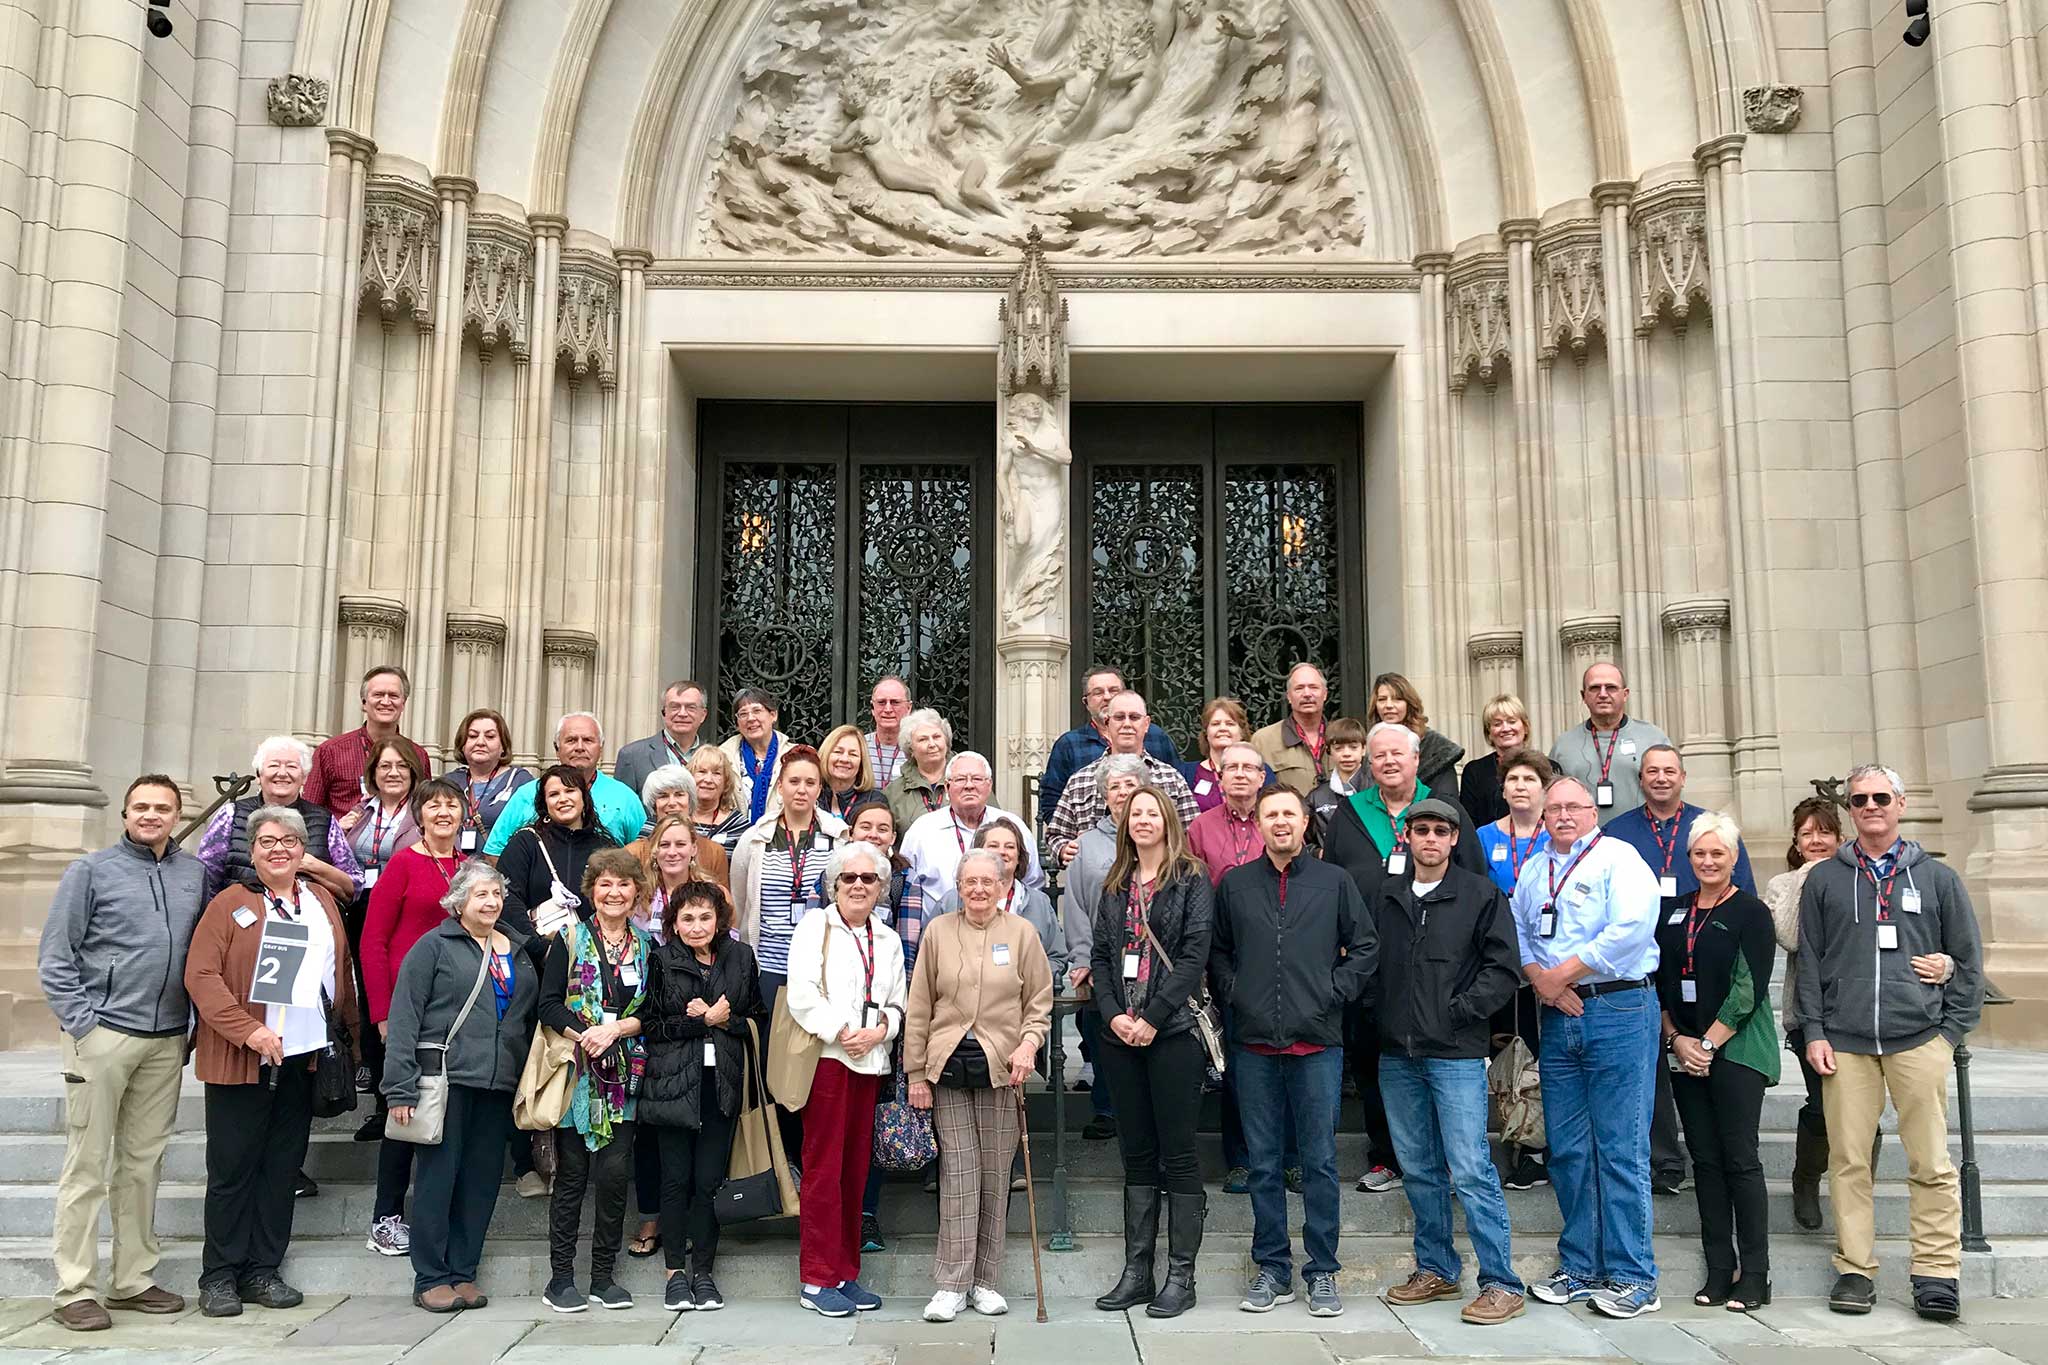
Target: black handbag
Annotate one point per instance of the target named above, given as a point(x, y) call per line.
point(967, 1068)
point(746, 1198)
point(334, 1070)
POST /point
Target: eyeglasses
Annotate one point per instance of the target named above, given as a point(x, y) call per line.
point(1861, 799)
point(858, 878)
point(1434, 831)
point(1569, 807)
point(276, 841)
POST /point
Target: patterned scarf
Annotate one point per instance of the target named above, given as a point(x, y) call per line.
point(601, 1098)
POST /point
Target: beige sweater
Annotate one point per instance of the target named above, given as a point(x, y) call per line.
point(994, 980)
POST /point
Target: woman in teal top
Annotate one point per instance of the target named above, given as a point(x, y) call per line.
point(1715, 952)
point(592, 991)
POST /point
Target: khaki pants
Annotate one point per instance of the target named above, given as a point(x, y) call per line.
point(120, 1104)
point(1853, 1098)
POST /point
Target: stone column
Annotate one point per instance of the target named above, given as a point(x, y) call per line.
point(523, 655)
point(372, 632)
point(1589, 640)
point(1637, 642)
point(2002, 426)
point(571, 660)
point(1424, 601)
point(1033, 467)
point(1889, 611)
point(1496, 664)
point(476, 667)
point(1698, 628)
point(1531, 535)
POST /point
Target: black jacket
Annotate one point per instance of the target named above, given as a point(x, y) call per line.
point(1739, 926)
point(526, 872)
point(436, 977)
point(1447, 961)
point(1347, 845)
point(1436, 766)
point(1479, 790)
point(672, 1093)
point(1286, 975)
point(1182, 918)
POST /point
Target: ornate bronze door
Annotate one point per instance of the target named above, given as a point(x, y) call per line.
point(852, 541)
point(1217, 547)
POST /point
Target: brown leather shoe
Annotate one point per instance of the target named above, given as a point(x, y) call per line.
point(150, 1300)
point(471, 1296)
point(1424, 1286)
point(84, 1315)
point(439, 1299)
point(1494, 1305)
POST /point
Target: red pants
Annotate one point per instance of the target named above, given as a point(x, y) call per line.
point(839, 1143)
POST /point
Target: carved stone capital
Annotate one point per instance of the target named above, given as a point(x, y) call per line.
point(1698, 617)
point(296, 101)
point(1771, 108)
point(1433, 263)
point(497, 285)
point(1571, 290)
point(1717, 151)
point(1596, 634)
point(401, 226)
point(459, 187)
point(568, 647)
point(475, 634)
point(354, 146)
point(1608, 193)
point(1494, 644)
point(1514, 230)
point(1476, 323)
point(633, 258)
point(587, 318)
point(1669, 245)
point(373, 617)
point(548, 225)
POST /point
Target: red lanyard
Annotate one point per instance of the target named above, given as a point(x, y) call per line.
point(1283, 890)
point(448, 872)
point(1009, 896)
point(377, 823)
point(867, 962)
point(959, 832)
point(290, 913)
point(887, 760)
point(1517, 855)
point(1242, 832)
point(796, 870)
point(1884, 890)
point(1669, 850)
point(1314, 746)
point(1569, 867)
point(1696, 920)
point(1613, 742)
point(931, 803)
point(1138, 911)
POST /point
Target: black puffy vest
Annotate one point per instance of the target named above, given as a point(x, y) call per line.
point(241, 867)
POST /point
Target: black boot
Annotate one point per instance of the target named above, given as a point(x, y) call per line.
point(1141, 1235)
point(1183, 1239)
point(1809, 1164)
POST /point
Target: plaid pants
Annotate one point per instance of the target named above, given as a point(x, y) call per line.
point(977, 1133)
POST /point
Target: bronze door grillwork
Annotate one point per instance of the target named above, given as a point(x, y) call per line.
point(1212, 551)
point(853, 541)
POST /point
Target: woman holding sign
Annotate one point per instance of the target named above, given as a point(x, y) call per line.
point(467, 984)
point(544, 863)
point(592, 991)
point(263, 966)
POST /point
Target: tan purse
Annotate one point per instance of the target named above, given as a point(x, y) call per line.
point(757, 1134)
point(793, 1051)
point(547, 1083)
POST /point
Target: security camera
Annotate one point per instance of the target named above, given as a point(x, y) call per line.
point(158, 23)
point(1918, 26)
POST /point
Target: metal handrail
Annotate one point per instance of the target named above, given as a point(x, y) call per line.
point(230, 787)
point(1972, 1178)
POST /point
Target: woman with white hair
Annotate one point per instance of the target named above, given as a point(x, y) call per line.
point(467, 992)
point(671, 794)
point(281, 764)
point(1715, 952)
point(919, 787)
point(980, 1010)
point(846, 988)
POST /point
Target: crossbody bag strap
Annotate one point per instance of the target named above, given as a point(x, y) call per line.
point(547, 857)
point(483, 969)
point(1200, 993)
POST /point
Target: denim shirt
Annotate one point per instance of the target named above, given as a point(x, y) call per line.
point(1606, 909)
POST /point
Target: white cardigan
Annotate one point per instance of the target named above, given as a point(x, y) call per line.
point(838, 1006)
point(745, 873)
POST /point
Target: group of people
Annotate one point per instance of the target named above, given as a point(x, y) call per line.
point(1315, 898)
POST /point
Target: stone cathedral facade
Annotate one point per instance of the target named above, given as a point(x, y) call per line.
point(556, 348)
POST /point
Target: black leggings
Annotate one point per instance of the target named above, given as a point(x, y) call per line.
point(1721, 1112)
point(607, 1171)
point(693, 1162)
point(1158, 1094)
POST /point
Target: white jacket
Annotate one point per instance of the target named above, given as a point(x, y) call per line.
point(746, 869)
point(839, 1005)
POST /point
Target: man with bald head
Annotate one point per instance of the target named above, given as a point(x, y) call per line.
point(1605, 753)
point(935, 844)
point(1128, 721)
point(1296, 747)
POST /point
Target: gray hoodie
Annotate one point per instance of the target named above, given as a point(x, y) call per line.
point(1865, 999)
point(1094, 851)
point(113, 949)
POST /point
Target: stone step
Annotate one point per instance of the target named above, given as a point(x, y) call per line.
point(753, 1268)
point(334, 1156)
point(344, 1210)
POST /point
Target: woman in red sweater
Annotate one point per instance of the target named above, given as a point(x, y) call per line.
point(404, 905)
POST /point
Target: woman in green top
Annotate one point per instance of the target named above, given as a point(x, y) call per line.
point(1715, 951)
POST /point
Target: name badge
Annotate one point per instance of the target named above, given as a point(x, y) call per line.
point(1546, 923)
point(1203, 787)
point(1887, 936)
point(1603, 795)
point(1667, 886)
point(1000, 954)
point(469, 841)
point(244, 917)
point(370, 875)
point(1626, 746)
point(710, 1053)
point(1909, 901)
point(1397, 863)
point(1130, 966)
point(1689, 992)
point(820, 842)
point(629, 974)
point(1500, 853)
point(608, 1017)
point(1677, 917)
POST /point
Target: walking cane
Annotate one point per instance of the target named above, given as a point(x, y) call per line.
point(1031, 1199)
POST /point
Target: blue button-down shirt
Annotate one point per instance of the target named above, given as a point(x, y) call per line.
point(1606, 910)
point(1642, 831)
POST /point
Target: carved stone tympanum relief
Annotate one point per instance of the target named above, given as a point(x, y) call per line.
point(897, 128)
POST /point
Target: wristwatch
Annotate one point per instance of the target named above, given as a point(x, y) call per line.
point(1708, 1045)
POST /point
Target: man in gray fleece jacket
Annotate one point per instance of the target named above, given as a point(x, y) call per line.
point(112, 965)
point(1879, 1018)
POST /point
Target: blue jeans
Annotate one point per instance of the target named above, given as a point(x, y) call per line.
point(1271, 1091)
point(1436, 1107)
point(1233, 1126)
point(1599, 1080)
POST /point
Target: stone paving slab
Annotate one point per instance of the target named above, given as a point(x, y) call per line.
point(1650, 1342)
point(2022, 1341)
point(1216, 1348)
point(1542, 1330)
point(1068, 1339)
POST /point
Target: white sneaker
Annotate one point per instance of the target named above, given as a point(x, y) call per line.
point(945, 1306)
point(987, 1302)
point(389, 1236)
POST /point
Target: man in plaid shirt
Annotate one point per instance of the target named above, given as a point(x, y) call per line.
point(1083, 802)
